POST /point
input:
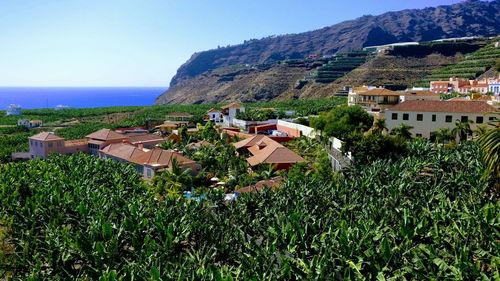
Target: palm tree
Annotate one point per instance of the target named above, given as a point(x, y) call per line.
point(480, 130)
point(402, 131)
point(490, 145)
point(462, 129)
point(379, 126)
point(443, 135)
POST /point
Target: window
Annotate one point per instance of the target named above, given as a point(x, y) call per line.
point(433, 117)
point(394, 116)
point(50, 144)
point(491, 118)
point(418, 135)
point(464, 118)
point(405, 116)
point(420, 117)
point(448, 118)
point(479, 119)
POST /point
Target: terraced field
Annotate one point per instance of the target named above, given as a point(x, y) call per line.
point(339, 66)
point(471, 67)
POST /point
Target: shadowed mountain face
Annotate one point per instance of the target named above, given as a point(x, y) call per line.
point(470, 18)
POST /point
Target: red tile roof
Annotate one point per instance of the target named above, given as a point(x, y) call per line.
point(420, 93)
point(232, 105)
point(444, 106)
point(379, 92)
point(136, 138)
point(253, 140)
point(46, 136)
point(105, 135)
point(125, 152)
point(163, 158)
point(274, 153)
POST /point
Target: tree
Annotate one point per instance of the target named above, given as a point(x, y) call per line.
point(209, 133)
point(403, 131)
point(462, 129)
point(369, 147)
point(342, 120)
point(490, 145)
point(379, 126)
point(443, 135)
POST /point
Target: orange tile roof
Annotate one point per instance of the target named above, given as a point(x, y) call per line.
point(105, 135)
point(163, 158)
point(46, 136)
point(379, 92)
point(232, 105)
point(274, 153)
point(444, 106)
point(213, 110)
point(125, 152)
point(420, 93)
point(253, 140)
point(143, 138)
point(76, 142)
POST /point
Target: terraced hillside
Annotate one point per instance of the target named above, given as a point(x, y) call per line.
point(339, 66)
point(471, 67)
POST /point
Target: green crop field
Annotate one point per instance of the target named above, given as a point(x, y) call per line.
point(471, 67)
point(427, 216)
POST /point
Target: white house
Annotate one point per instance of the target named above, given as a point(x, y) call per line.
point(23, 123)
point(215, 115)
point(13, 109)
point(427, 117)
point(230, 112)
point(494, 87)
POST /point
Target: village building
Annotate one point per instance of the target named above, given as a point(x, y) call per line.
point(264, 150)
point(144, 140)
point(374, 100)
point(137, 149)
point(427, 117)
point(230, 112)
point(23, 123)
point(441, 87)
point(45, 143)
point(102, 138)
point(418, 95)
point(147, 162)
point(494, 87)
point(215, 115)
point(199, 145)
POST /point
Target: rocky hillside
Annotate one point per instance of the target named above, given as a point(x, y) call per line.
point(470, 18)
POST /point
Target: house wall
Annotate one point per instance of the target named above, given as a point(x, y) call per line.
point(42, 149)
point(72, 149)
point(262, 128)
point(426, 126)
point(408, 97)
point(296, 130)
point(215, 116)
point(494, 88)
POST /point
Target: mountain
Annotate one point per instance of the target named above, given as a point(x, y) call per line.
point(469, 18)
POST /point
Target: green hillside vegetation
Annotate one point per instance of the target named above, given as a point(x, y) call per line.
point(338, 66)
point(471, 67)
point(427, 216)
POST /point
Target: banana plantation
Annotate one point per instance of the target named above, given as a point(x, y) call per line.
point(431, 215)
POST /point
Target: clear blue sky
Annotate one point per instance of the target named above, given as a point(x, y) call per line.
point(143, 42)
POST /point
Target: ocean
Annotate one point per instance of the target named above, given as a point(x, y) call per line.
point(77, 97)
